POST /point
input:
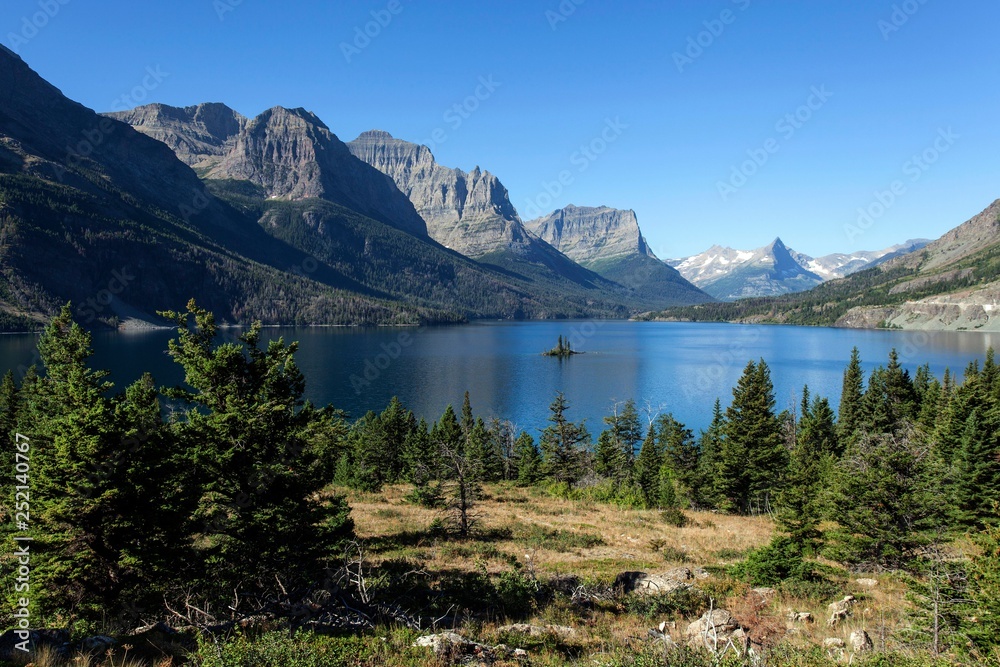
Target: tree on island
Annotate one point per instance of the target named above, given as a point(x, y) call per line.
point(562, 349)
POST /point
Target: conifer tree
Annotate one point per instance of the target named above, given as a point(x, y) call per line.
point(982, 623)
point(752, 455)
point(885, 500)
point(849, 415)
point(528, 460)
point(800, 505)
point(259, 474)
point(8, 408)
point(680, 454)
point(705, 492)
point(562, 444)
point(647, 469)
point(976, 476)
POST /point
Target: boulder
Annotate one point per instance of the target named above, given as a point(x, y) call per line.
point(714, 630)
point(679, 578)
point(442, 643)
point(833, 643)
point(561, 631)
point(860, 642)
point(840, 610)
point(867, 583)
point(800, 617)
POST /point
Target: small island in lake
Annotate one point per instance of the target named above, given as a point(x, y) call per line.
point(562, 349)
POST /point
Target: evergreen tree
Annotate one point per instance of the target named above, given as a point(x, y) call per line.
point(528, 460)
point(447, 433)
point(705, 494)
point(8, 408)
point(397, 422)
point(680, 454)
point(976, 477)
point(259, 473)
point(616, 446)
point(890, 401)
point(885, 500)
point(849, 416)
point(666, 497)
point(562, 444)
point(800, 504)
point(982, 623)
point(647, 469)
point(752, 455)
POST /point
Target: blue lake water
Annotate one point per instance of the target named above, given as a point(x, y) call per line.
point(669, 367)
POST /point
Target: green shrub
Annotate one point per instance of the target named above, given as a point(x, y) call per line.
point(673, 517)
point(774, 563)
point(683, 603)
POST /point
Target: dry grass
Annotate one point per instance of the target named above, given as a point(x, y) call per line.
point(512, 519)
point(523, 523)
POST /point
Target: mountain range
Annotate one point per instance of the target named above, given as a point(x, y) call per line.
point(274, 218)
point(271, 218)
point(952, 283)
point(775, 269)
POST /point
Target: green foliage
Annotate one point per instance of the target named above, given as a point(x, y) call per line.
point(780, 560)
point(752, 456)
point(555, 539)
point(677, 605)
point(982, 623)
point(562, 444)
point(885, 499)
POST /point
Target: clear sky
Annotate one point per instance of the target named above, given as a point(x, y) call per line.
point(691, 98)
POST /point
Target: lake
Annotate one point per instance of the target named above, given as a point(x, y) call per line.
point(665, 366)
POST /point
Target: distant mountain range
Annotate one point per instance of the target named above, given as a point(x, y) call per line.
point(952, 283)
point(775, 269)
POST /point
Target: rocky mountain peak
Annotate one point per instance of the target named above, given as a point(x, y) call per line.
point(588, 234)
point(467, 212)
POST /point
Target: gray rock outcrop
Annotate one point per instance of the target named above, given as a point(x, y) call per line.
point(590, 234)
point(469, 212)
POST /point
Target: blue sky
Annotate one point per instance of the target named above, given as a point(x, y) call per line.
point(676, 109)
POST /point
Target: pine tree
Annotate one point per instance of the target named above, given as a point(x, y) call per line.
point(800, 505)
point(680, 453)
point(976, 477)
point(752, 455)
point(885, 500)
point(528, 460)
point(446, 433)
point(616, 447)
point(259, 473)
point(705, 492)
point(647, 469)
point(982, 623)
point(849, 416)
point(890, 401)
point(397, 422)
point(562, 444)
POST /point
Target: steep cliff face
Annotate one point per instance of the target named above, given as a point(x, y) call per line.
point(588, 234)
point(293, 155)
point(610, 242)
point(469, 212)
point(199, 135)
